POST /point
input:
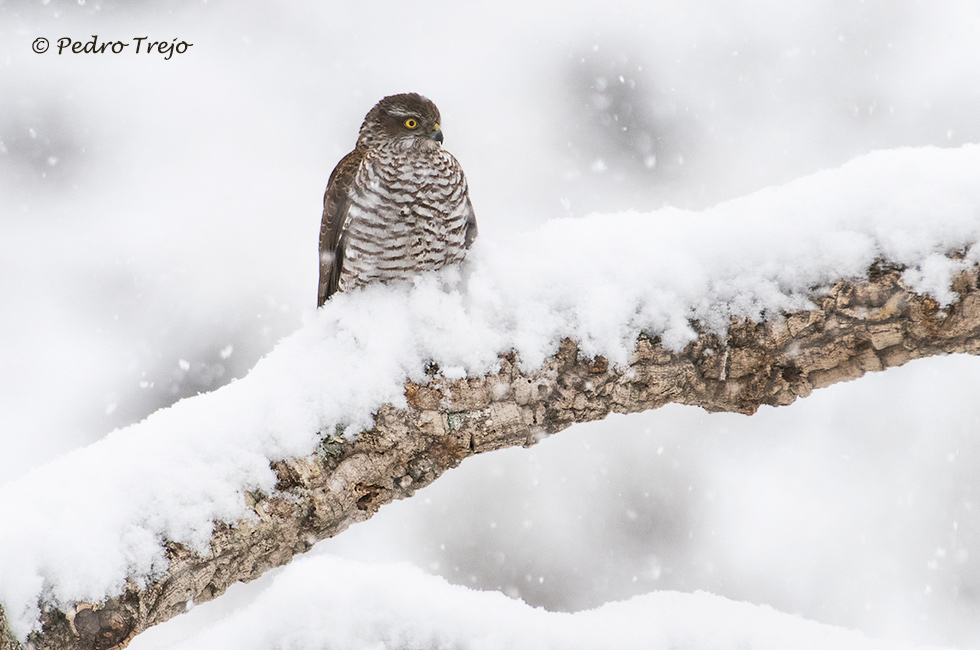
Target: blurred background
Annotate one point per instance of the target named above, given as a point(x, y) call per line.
point(159, 223)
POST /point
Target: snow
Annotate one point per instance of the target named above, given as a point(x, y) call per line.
point(97, 516)
point(329, 602)
point(604, 278)
point(182, 214)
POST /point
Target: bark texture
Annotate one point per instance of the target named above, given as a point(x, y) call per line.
point(856, 328)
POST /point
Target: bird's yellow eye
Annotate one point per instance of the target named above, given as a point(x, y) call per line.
point(411, 123)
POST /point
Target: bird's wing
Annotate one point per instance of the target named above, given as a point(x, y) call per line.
point(336, 204)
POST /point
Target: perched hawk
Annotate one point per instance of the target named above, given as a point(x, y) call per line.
point(397, 205)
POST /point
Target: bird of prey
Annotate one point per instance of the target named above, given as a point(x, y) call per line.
point(397, 205)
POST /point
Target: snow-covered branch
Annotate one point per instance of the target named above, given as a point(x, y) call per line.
point(757, 301)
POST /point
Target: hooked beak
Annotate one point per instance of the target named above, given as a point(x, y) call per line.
point(436, 134)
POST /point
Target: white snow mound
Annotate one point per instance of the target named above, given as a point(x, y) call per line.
point(326, 602)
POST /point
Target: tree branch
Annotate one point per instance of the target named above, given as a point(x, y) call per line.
point(854, 329)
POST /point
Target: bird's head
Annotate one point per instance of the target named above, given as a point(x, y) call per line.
point(409, 118)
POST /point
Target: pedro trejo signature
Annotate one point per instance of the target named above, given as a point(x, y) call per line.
point(140, 44)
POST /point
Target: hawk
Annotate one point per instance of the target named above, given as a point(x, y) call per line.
point(397, 205)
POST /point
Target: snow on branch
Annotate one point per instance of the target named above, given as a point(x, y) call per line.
point(756, 301)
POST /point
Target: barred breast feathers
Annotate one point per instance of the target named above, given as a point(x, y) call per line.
point(407, 215)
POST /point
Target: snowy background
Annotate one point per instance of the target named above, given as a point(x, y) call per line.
point(160, 219)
